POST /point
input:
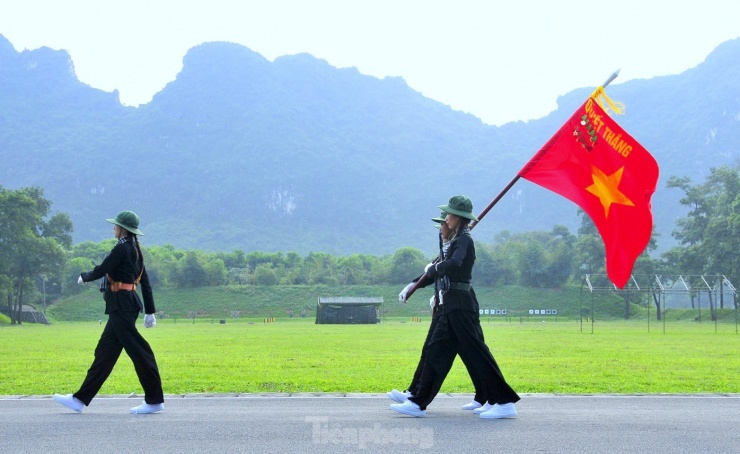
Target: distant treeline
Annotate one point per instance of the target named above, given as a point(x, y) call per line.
point(539, 259)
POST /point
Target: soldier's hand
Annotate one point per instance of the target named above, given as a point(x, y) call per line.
point(404, 293)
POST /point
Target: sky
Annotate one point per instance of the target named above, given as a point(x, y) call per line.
point(501, 61)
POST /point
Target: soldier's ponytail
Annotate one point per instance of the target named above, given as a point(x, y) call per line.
point(137, 249)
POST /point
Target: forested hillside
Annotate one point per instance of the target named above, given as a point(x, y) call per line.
point(295, 155)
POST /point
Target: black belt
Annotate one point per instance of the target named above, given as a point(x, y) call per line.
point(461, 286)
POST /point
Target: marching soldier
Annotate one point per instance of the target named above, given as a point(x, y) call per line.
point(123, 271)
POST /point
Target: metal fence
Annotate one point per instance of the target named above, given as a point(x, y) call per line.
point(706, 296)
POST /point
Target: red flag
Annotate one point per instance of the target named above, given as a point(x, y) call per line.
point(595, 164)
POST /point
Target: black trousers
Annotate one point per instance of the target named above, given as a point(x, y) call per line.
point(456, 333)
point(416, 380)
point(119, 334)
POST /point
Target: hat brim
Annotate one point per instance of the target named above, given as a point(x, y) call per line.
point(462, 214)
point(127, 227)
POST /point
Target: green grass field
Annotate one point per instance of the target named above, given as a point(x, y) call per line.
point(295, 355)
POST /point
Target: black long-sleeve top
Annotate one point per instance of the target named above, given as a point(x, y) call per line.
point(122, 265)
point(458, 263)
point(458, 267)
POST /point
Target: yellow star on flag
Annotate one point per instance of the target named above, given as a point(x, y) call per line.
point(606, 188)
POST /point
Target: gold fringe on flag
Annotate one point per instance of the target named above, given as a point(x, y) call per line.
point(599, 95)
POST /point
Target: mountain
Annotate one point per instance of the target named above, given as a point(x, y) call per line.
point(295, 155)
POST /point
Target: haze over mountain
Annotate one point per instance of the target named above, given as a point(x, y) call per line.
point(295, 155)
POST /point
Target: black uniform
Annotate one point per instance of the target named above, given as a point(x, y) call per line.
point(120, 333)
point(436, 312)
point(458, 331)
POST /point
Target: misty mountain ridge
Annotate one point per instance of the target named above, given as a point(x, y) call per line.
point(295, 155)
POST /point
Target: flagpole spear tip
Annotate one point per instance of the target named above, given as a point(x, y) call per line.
point(611, 78)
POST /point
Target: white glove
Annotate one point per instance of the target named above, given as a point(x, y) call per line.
point(404, 293)
point(149, 320)
point(431, 302)
point(426, 268)
point(80, 281)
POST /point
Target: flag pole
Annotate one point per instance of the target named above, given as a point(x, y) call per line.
point(611, 78)
point(498, 197)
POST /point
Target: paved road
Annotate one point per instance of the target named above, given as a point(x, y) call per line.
point(308, 423)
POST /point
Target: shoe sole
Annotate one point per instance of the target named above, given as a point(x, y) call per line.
point(392, 397)
point(508, 416)
point(76, 410)
point(145, 412)
point(417, 415)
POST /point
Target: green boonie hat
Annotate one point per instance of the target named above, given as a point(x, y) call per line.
point(440, 219)
point(128, 220)
point(459, 205)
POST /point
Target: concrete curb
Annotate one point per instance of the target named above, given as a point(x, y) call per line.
point(304, 395)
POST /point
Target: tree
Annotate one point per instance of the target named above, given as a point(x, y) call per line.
point(560, 263)
point(162, 263)
point(30, 246)
point(486, 271)
point(709, 235)
point(503, 265)
point(532, 264)
point(351, 270)
point(190, 271)
point(265, 275)
point(292, 269)
point(217, 272)
point(319, 268)
point(406, 264)
point(234, 259)
point(534, 259)
point(60, 228)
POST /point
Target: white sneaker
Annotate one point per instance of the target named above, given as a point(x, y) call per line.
point(481, 409)
point(70, 402)
point(503, 411)
point(398, 396)
point(472, 405)
point(408, 408)
point(146, 408)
